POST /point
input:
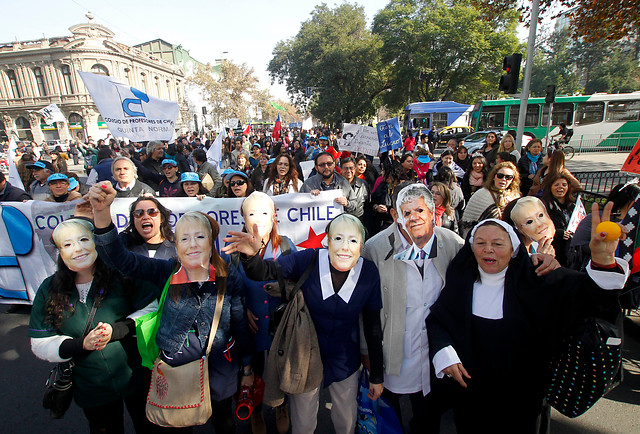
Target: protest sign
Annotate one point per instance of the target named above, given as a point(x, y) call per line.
point(359, 138)
point(632, 163)
point(578, 214)
point(214, 153)
point(129, 112)
point(27, 255)
point(389, 135)
point(51, 114)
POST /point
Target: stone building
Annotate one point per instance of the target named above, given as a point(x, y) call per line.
point(34, 74)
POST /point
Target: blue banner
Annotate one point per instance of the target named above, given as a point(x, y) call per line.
point(389, 135)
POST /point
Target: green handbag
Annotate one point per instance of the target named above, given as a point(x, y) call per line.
point(146, 329)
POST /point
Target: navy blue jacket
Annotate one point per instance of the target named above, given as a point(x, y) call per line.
point(13, 194)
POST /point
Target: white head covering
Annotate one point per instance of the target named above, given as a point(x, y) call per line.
point(515, 241)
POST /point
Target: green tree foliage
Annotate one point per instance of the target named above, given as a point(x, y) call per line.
point(583, 66)
point(553, 64)
point(228, 87)
point(335, 53)
point(459, 54)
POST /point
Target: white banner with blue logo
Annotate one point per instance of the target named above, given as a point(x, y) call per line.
point(28, 255)
point(129, 112)
point(389, 135)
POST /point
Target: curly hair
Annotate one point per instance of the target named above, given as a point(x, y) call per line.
point(573, 186)
point(513, 188)
point(134, 237)
point(291, 177)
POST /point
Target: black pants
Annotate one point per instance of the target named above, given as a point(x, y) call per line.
point(109, 418)
point(427, 410)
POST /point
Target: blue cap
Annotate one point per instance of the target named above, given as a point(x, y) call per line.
point(227, 171)
point(169, 161)
point(190, 176)
point(41, 165)
point(233, 173)
point(56, 177)
point(73, 183)
point(424, 159)
point(271, 160)
point(323, 138)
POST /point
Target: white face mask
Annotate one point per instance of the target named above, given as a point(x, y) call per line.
point(345, 245)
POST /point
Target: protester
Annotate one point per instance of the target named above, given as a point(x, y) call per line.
point(406, 165)
point(260, 173)
point(239, 185)
point(209, 175)
point(191, 186)
point(508, 144)
point(497, 321)
point(500, 188)
point(335, 303)
point(462, 159)
point(528, 164)
point(490, 148)
point(148, 232)
point(242, 164)
point(108, 368)
point(474, 178)
point(359, 187)
point(126, 176)
point(59, 187)
point(9, 193)
point(39, 188)
point(530, 218)
point(283, 177)
point(447, 160)
point(170, 185)
point(444, 213)
point(195, 278)
point(326, 178)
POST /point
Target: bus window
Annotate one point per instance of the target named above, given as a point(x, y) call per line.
point(562, 112)
point(440, 120)
point(620, 111)
point(492, 117)
point(420, 122)
point(589, 113)
point(531, 120)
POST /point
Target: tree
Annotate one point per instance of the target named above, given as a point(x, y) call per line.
point(227, 87)
point(337, 55)
point(590, 19)
point(553, 63)
point(267, 103)
point(445, 43)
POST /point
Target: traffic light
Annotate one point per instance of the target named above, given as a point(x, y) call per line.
point(509, 81)
point(551, 94)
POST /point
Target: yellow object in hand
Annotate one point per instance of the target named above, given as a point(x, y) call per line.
point(612, 230)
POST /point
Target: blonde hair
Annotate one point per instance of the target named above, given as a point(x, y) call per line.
point(78, 224)
point(502, 147)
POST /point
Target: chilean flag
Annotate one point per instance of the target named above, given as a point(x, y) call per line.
point(276, 129)
point(247, 130)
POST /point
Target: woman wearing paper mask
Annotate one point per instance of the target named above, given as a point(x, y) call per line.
point(107, 364)
point(340, 287)
point(496, 323)
point(196, 278)
point(258, 209)
point(530, 217)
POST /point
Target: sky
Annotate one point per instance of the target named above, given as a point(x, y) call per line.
point(247, 30)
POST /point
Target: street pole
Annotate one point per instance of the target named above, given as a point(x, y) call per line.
point(524, 96)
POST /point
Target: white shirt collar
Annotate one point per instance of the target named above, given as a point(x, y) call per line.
point(413, 252)
point(325, 278)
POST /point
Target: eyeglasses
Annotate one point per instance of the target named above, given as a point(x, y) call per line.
point(151, 212)
point(504, 176)
point(239, 182)
point(327, 164)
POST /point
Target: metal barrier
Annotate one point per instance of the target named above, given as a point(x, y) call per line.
point(601, 183)
point(616, 142)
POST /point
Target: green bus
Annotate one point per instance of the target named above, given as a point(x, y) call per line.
point(599, 122)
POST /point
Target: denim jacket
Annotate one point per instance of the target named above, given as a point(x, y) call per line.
point(193, 306)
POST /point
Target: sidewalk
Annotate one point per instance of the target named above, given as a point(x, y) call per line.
point(596, 161)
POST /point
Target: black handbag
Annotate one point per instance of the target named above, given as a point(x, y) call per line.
point(58, 390)
point(587, 367)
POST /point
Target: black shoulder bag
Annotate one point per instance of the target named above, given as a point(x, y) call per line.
point(58, 390)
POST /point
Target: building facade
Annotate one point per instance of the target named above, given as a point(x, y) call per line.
point(34, 74)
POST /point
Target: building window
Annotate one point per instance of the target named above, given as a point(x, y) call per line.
point(156, 80)
point(143, 82)
point(13, 81)
point(178, 96)
point(24, 129)
point(126, 75)
point(168, 89)
point(99, 69)
point(42, 90)
point(66, 77)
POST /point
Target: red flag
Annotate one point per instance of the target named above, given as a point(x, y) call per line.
point(276, 129)
point(247, 130)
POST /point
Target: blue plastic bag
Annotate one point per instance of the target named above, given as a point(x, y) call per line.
point(374, 417)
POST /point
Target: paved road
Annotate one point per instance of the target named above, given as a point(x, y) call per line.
point(23, 378)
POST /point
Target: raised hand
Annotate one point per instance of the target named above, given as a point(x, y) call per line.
point(602, 251)
point(243, 242)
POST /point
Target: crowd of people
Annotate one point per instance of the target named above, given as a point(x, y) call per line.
point(454, 240)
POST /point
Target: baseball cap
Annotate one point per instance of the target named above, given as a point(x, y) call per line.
point(233, 173)
point(169, 161)
point(73, 183)
point(323, 138)
point(423, 159)
point(57, 177)
point(41, 165)
point(189, 177)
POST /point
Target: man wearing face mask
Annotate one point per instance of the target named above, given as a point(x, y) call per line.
point(412, 255)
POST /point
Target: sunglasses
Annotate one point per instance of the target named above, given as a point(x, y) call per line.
point(239, 182)
point(327, 164)
point(504, 176)
point(151, 212)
